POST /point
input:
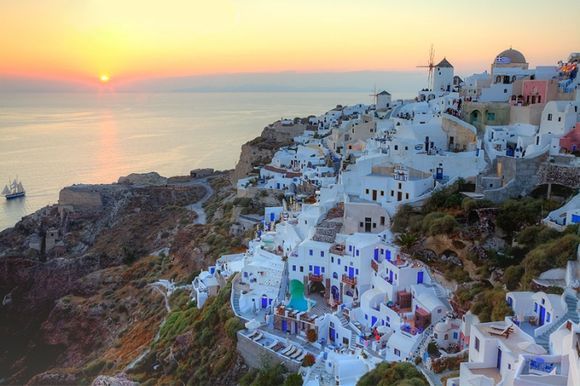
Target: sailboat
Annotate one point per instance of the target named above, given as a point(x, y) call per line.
point(13, 189)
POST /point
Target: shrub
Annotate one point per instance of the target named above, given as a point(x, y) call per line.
point(393, 374)
point(232, 326)
point(293, 380)
point(432, 349)
point(311, 335)
point(512, 276)
point(308, 360)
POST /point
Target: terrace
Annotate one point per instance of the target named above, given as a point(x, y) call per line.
point(349, 280)
point(316, 278)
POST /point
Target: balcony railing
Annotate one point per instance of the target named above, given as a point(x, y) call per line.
point(349, 280)
point(313, 277)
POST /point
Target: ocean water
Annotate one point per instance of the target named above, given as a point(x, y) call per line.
point(52, 140)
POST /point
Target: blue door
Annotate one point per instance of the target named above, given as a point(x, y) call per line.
point(284, 325)
point(419, 277)
point(331, 334)
point(390, 276)
point(316, 270)
point(351, 272)
point(376, 254)
point(264, 302)
point(542, 315)
point(388, 255)
point(373, 320)
point(498, 359)
point(272, 216)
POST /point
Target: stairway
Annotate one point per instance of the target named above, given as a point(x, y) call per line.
point(572, 314)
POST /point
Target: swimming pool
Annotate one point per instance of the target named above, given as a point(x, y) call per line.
point(297, 299)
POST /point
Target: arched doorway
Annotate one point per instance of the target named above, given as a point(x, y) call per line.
point(335, 293)
point(316, 287)
point(475, 117)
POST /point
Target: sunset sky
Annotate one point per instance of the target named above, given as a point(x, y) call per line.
point(80, 40)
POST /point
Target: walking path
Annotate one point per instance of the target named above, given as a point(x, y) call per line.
point(198, 206)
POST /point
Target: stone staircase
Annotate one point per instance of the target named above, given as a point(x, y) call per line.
point(572, 314)
point(345, 324)
point(236, 299)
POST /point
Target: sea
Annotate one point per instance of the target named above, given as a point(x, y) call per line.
point(52, 140)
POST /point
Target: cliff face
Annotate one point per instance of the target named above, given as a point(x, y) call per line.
point(81, 290)
point(260, 150)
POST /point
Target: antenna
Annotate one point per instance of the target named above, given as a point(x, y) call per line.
point(430, 65)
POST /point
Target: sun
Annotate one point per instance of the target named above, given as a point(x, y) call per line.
point(104, 78)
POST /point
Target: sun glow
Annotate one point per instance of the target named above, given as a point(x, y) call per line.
point(104, 78)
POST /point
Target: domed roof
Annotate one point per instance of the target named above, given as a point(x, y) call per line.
point(510, 56)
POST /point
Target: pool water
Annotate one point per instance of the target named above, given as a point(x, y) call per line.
point(297, 299)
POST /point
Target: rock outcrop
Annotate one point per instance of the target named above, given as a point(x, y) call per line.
point(260, 150)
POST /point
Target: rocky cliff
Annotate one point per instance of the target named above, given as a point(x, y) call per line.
point(260, 150)
point(74, 278)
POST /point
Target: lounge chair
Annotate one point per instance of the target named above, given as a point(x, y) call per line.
point(286, 350)
point(274, 343)
point(279, 346)
point(301, 357)
point(297, 354)
point(253, 334)
point(292, 351)
point(258, 337)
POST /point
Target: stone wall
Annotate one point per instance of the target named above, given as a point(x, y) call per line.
point(80, 198)
point(257, 356)
point(518, 177)
point(463, 137)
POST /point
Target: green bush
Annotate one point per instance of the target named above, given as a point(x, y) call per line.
point(393, 374)
point(232, 326)
point(512, 276)
point(293, 380)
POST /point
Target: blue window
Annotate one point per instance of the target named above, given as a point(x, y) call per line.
point(535, 307)
point(548, 317)
point(543, 301)
point(332, 259)
point(388, 255)
point(454, 335)
point(388, 319)
point(310, 268)
point(335, 275)
point(357, 271)
point(366, 317)
point(321, 253)
point(310, 252)
point(245, 274)
point(350, 248)
point(294, 268)
point(345, 269)
point(338, 261)
point(509, 301)
point(322, 269)
point(357, 252)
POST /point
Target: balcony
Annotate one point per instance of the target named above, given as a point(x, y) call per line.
point(313, 277)
point(349, 280)
point(375, 266)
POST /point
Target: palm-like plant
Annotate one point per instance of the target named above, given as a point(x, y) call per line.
point(406, 240)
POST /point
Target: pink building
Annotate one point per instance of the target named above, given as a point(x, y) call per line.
point(571, 141)
point(535, 91)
